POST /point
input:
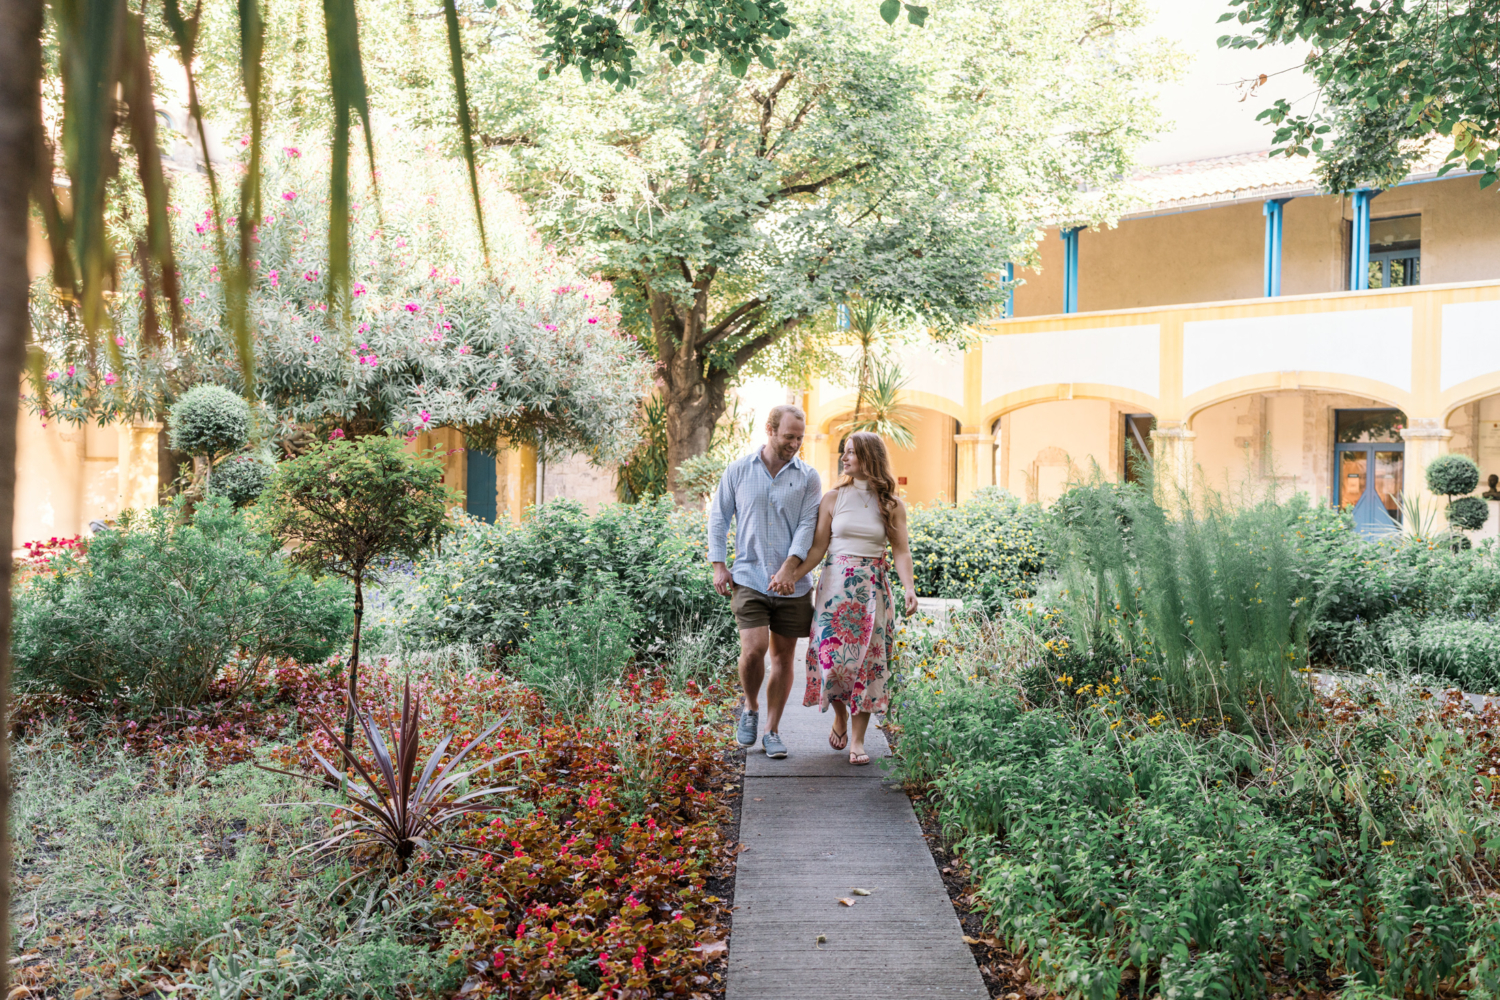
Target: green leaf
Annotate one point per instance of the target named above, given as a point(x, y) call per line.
point(586, 70)
point(889, 10)
point(767, 59)
point(738, 65)
point(752, 13)
point(675, 55)
point(916, 15)
point(696, 55)
point(1489, 178)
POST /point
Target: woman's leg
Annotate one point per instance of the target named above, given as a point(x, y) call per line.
point(838, 736)
point(859, 724)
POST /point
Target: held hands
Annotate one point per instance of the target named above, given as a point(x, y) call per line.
point(783, 583)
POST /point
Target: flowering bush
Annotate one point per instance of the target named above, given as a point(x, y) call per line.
point(531, 355)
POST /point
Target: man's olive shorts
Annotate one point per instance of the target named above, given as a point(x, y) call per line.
point(788, 616)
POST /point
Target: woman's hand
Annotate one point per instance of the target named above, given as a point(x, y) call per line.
point(911, 604)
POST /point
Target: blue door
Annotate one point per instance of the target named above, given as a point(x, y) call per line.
point(1369, 485)
point(479, 499)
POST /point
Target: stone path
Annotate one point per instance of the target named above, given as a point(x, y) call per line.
point(816, 829)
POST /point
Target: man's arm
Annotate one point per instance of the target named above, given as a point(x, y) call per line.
point(807, 519)
point(720, 513)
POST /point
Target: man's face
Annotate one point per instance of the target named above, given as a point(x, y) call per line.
point(786, 439)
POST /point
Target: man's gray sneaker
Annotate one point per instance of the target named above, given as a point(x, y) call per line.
point(749, 724)
point(773, 746)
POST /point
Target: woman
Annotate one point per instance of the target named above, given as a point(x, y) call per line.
point(854, 623)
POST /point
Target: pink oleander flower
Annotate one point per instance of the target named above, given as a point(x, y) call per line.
point(52, 376)
point(464, 349)
point(412, 307)
point(593, 319)
point(363, 328)
point(359, 288)
point(337, 435)
point(110, 378)
point(291, 151)
point(426, 417)
point(119, 340)
point(71, 370)
point(275, 278)
point(317, 339)
point(310, 276)
point(400, 244)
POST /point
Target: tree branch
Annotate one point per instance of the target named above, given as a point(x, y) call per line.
point(767, 104)
point(724, 327)
point(814, 186)
point(801, 115)
point(491, 141)
point(760, 343)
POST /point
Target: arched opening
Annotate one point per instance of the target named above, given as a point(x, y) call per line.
point(1041, 447)
point(1476, 433)
point(927, 472)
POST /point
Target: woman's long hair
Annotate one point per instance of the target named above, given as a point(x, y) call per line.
point(875, 462)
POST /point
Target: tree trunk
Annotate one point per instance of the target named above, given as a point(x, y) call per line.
point(695, 401)
point(20, 127)
point(359, 614)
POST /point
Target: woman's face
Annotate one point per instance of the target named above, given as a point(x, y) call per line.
point(851, 462)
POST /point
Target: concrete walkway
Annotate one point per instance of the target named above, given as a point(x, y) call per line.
point(815, 829)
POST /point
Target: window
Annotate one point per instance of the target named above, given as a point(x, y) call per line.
point(1396, 251)
point(1135, 459)
point(1369, 460)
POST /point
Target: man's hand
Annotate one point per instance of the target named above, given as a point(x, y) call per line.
point(722, 582)
point(782, 583)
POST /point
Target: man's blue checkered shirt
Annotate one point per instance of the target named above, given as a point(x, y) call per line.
point(774, 518)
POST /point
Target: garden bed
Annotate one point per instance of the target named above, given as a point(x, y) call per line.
point(153, 856)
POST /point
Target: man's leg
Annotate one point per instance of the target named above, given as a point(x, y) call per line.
point(753, 645)
point(783, 671)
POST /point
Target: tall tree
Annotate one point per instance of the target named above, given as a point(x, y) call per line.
point(730, 210)
point(1392, 78)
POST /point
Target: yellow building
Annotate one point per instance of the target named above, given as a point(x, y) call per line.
point(1238, 328)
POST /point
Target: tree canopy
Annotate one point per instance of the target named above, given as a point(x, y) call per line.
point(730, 210)
point(1392, 77)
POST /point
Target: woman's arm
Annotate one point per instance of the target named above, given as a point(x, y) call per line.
point(786, 580)
point(901, 546)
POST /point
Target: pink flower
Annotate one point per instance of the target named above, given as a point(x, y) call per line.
point(550, 327)
point(593, 319)
point(291, 151)
point(359, 288)
point(71, 370)
point(275, 277)
point(289, 195)
point(120, 340)
point(310, 276)
point(425, 416)
point(463, 349)
point(400, 244)
point(363, 328)
point(440, 884)
point(412, 307)
point(110, 378)
point(337, 435)
point(317, 339)
point(52, 376)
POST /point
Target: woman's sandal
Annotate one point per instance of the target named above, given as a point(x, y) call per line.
point(838, 740)
point(859, 759)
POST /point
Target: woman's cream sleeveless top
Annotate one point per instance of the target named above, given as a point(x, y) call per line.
point(857, 527)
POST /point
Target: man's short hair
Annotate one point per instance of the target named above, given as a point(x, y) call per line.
point(784, 410)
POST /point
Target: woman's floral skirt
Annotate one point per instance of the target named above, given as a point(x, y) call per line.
point(853, 627)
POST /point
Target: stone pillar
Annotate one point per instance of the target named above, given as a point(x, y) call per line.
point(974, 469)
point(138, 476)
point(1426, 438)
point(1172, 463)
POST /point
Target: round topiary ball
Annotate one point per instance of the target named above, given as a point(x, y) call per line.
point(1468, 513)
point(241, 479)
point(1452, 475)
point(209, 419)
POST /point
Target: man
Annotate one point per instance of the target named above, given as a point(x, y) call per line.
point(772, 496)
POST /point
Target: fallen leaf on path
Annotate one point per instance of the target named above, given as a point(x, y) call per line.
point(19, 993)
point(83, 991)
point(845, 901)
point(757, 799)
point(861, 892)
point(820, 941)
point(710, 950)
point(23, 959)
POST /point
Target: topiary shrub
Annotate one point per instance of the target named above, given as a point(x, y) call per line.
point(1468, 513)
point(209, 419)
point(240, 479)
point(1452, 475)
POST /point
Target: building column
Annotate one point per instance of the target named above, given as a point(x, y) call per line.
point(515, 482)
point(1070, 268)
point(1172, 462)
point(138, 471)
point(1359, 244)
point(1426, 439)
point(973, 449)
point(1272, 210)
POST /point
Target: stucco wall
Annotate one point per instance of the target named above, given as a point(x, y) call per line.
point(1046, 445)
point(1216, 254)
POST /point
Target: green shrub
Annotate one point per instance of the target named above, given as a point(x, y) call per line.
point(209, 419)
point(1463, 651)
point(486, 582)
point(1468, 513)
point(987, 549)
point(576, 651)
point(240, 479)
point(159, 606)
point(1452, 475)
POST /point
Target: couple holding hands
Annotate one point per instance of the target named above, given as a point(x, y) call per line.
point(785, 525)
